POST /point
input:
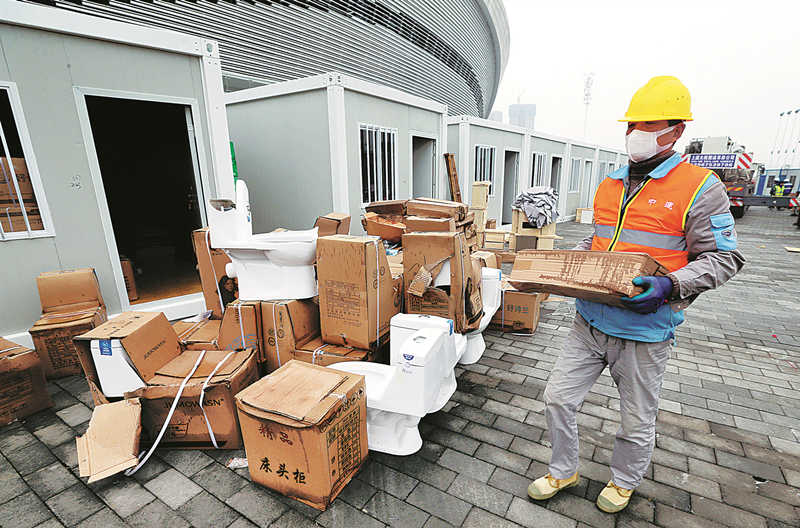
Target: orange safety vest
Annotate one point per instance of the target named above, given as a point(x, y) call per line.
point(654, 219)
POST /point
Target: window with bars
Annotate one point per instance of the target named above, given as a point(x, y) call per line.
point(378, 163)
point(484, 165)
point(20, 216)
point(538, 169)
point(575, 175)
point(601, 173)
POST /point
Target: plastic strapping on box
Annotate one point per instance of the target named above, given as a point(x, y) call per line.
point(172, 408)
point(189, 331)
point(11, 348)
point(202, 393)
point(378, 296)
point(241, 325)
point(275, 329)
point(503, 309)
point(317, 352)
point(213, 270)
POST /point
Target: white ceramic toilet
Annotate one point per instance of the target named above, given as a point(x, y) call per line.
point(398, 395)
point(491, 296)
point(114, 368)
point(268, 266)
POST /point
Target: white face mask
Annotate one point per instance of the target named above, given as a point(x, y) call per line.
point(643, 145)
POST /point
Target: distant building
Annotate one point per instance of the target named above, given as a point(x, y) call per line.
point(496, 115)
point(522, 115)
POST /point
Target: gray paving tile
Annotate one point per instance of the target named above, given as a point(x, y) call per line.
point(187, 461)
point(74, 504)
point(258, 505)
point(29, 458)
point(13, 437)
point(105, 518)
point(154, 515)
point(532, 515)
point(480, 494)
point(439, 504)
point(219, 481)
point(342, 515)
point(55, 434)
point(26, 510)
point(394, 512)
point(385, 478)
point(173, 488)
point(75, 414)
point(467, 465)
point(206, 511)
point(50, 480)
point(124, 495)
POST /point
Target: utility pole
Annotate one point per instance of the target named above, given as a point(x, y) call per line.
point(587, 99)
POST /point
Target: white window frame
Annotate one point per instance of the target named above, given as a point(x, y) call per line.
point(539, 160)
point(377, 161)
point(482, 164)
point(33, 170)
point(437, 154)
point(574, 181)
point(553, 157)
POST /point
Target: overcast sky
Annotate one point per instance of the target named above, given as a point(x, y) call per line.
point(740, 61)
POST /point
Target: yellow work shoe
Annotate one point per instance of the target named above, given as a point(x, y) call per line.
point(547, 486)
point(613, 498)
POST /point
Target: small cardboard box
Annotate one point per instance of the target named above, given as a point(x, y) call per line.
point(520, 224)
point(546, 241)
point(324, 354)
point(130, 278)
point(23, 390)
point(584, 215)
point(241, 327)
point(71, 305)
point(305, 431)
point(415, 224)
point(487, 259)
point(200, 335)
point(357, 293)
point(285, 326)
point(436, 208)
point(428, 290)
point(600, 276)
point(519, 311)
point(387, 227)
point(218, 289)
point(332, 224)
point(491, 223)
point(480, 194)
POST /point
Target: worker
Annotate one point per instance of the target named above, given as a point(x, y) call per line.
point(680, 215)
point(777, 191)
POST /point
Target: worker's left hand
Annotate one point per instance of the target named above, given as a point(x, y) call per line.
point(657, 291)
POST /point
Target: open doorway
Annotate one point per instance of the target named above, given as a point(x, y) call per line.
point(423, 167)
point(148, 163)
point(510, 183)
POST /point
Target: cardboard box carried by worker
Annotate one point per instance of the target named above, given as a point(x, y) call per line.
point(23, 390)
point(600, 276)
point(440, 278)
point(305, 431)
point(71, 305)
point(357, 293)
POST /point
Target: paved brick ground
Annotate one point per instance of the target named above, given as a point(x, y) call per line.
point(727, 450)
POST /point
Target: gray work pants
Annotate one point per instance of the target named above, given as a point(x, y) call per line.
point(636, 367)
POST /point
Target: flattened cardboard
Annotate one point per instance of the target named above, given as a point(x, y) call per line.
point(600, 276)
point(286, 325)
point(305, 431)
point(387, 207)
point(357, 293)
point(241, 326)
point(416, 224)
point(436, 208)
point(519, 311)
point(387, 227)
point(23, 390)
point(213, 279)
point(428, 252)
point(333, 224)
point(188, 429)
point(201, 335)
point(111, 443)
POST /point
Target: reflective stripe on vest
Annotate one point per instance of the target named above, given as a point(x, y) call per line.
point(653, 219)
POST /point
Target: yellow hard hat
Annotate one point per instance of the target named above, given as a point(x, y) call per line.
point(663, 97)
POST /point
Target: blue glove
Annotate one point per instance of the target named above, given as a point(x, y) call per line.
point(657, 291)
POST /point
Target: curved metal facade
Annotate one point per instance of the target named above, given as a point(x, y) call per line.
point(452, 51)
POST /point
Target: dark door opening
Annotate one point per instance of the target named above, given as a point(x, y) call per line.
point(423, 167)
point(510, 179)
point(146, 161)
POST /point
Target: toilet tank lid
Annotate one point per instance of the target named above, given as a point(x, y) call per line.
point(412, 322)
point(423, 347)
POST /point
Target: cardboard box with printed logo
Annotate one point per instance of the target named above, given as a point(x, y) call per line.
point(23, 390)
point(305, 431)
point(71, 305)
point(518, 312)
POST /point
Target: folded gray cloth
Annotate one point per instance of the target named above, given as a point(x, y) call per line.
point(540, 205)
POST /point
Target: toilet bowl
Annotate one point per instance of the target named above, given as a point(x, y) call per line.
point(491, 296)
point(268, 266)
point(114, 368)
point(398, 395)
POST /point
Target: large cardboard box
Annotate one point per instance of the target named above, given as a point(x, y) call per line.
point(305, 431)
point(241, 327)
point(218, 289)
point(71, 305)
point(332, 224)
point(130, 278)
point(416, 224)
point(155, 354)
point(519, 311)
point(23, 390)
point(357, 293)
point(601, 276)
point(286, 325)
point(436, 208)
point(440, 279)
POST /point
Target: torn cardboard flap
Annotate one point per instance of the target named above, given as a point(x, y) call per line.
point(111, 443)
point(69, 291)
point(295, 391)
point(388, 207)
point(424, 277)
